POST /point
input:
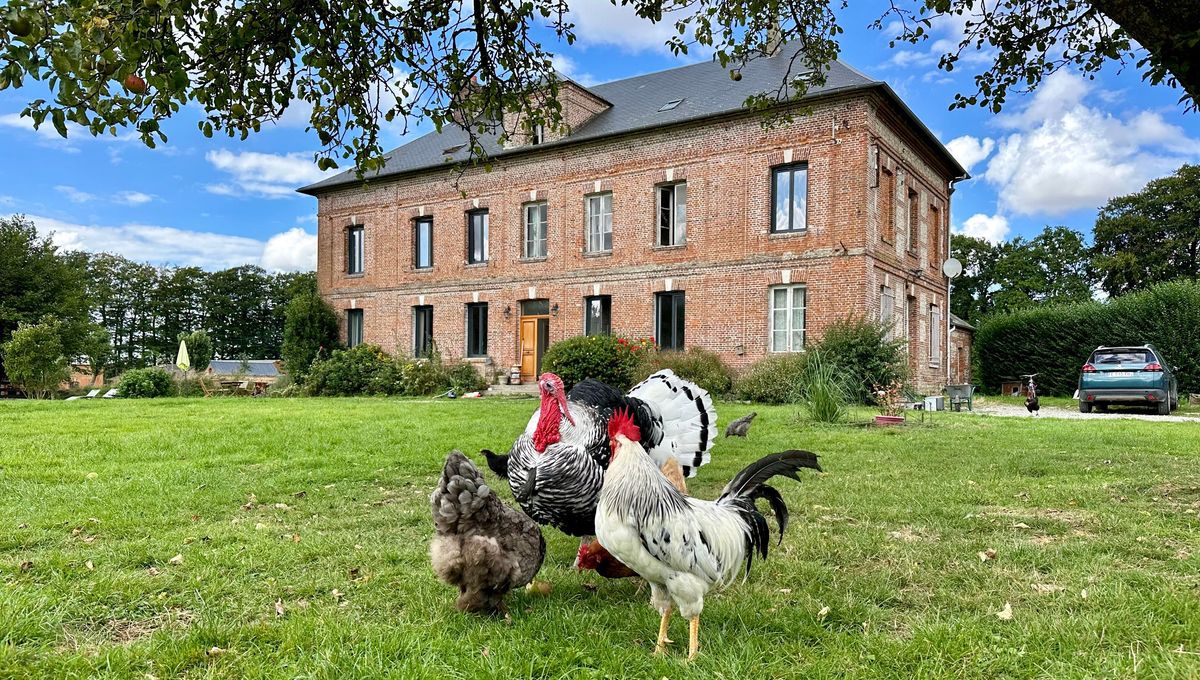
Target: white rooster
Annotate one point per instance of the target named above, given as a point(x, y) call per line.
point(684, 546)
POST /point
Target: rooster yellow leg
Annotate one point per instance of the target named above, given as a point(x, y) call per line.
point(674, 473)
point(693, 637)
point(661, 646)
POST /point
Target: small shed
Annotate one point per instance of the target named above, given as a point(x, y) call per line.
point(961, 336)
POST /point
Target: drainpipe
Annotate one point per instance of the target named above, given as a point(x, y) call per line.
point(949, 281)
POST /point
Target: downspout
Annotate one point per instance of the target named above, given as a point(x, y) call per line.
point(949, 281)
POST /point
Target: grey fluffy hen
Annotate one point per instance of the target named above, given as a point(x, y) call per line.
point(481, 546)
point(741, 426)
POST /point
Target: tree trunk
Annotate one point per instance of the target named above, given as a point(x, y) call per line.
point(1165, 28)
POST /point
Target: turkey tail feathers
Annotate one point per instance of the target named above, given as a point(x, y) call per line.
point(689, 421)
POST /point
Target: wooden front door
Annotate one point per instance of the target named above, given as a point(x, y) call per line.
point(535, 335)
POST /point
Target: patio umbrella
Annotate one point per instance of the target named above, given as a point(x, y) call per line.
point(182, 360)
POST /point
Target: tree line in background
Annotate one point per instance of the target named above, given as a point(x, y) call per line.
point(116, 314)
point(1146, 238)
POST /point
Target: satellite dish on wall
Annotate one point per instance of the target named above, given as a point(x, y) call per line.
point(952, 267)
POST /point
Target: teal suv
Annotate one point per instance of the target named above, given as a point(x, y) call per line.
point(1133, 376)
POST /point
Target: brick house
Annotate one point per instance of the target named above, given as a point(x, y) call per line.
point(663, 209)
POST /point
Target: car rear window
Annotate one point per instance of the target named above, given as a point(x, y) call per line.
point(1122, 356)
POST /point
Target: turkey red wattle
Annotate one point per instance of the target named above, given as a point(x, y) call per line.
point(553, 408)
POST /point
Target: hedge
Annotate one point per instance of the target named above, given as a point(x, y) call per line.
point(1054, 342)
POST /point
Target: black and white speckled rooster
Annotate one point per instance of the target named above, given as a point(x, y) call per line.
point(556, 468)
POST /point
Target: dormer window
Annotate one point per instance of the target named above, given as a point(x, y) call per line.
point(539, 135)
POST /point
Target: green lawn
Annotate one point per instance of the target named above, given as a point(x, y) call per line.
point(321, 506)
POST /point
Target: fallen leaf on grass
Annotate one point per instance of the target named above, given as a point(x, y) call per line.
point(823, 613)
point(251, 501)
point(22, 525)
point(178, 559)
point(1021, 525)
point(540, 587)
point(1046, 588)
point(279, 608)
point(26, 565)
point(260, 526)
point(215, 651)
point(152, 571)
point(295, 538)
point(89, 565)
point(785, 591)
point(985, 555)
point(337, 594)
point(282, 506)
point(300, 494)
point(92, 475)
point(1083, 593)
point(591, 587)
point(1005, 614)
point(485, 652)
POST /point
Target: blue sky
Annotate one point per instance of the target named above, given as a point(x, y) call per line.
point(1053, 157)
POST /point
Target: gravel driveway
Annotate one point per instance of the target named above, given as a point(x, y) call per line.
point(1013, 411)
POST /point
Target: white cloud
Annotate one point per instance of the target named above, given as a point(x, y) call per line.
point(567, 66)
point(289, 251)
point(969, 150)
point(1065, 154)
point(262, 174)
point(945, 33)
point(133, 198)
point(49, 137)
point(991, 228)
point(74, 195)
point(600, 22)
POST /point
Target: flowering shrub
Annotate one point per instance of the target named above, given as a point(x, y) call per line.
point(608, 358)
point(890, 398)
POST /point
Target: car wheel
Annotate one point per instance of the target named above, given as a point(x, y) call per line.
point(1085, 407)
point(1164, 408)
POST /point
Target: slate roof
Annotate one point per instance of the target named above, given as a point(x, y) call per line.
point(706, 90)
point(957, 322)
point(258, 367)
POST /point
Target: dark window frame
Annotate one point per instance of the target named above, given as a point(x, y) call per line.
point(422, 317)
point(605, 315)
point(361, 242)
point(473, 238)
point(791, 169)
point(914, 220)
point(477, 330)
point(417, 223)
point(678, 320)
point(354, 322)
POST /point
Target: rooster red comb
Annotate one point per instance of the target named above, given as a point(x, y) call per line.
point(621, 422)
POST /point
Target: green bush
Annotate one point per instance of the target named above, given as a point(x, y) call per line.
point(1054, 342)
point(365, 369)
point(462, 378)
point(778, 379)
point(862, 352)
point(826, 389)
point(189, 387)
point(610, 359)
point(146, 383)
point(698, 365)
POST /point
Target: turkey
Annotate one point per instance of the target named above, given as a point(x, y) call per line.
point(741, 426)
point(556, 468)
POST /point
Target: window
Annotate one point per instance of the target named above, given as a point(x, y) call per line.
point(354, 250)
point(422, 330)
point(887, 310)
point(790, 198)
point(672, 214)
point(599, 223)
point(423, 243)
point(668, 319)
point(354, 327)
point(935, 336)
point(914, 221)
point(538, 136)
point(787, 318)
point(477, 236)
point(477, 329)
point(597, 315)
point(535, 230)
point(935, 236)
point(887, 208)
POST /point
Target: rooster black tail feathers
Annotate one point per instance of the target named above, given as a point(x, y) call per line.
point(497, 462)
point(460, 493)
point(749, 485)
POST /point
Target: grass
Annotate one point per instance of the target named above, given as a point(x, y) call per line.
point(878, 575)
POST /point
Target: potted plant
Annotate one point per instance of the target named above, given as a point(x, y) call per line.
point(890, 399)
